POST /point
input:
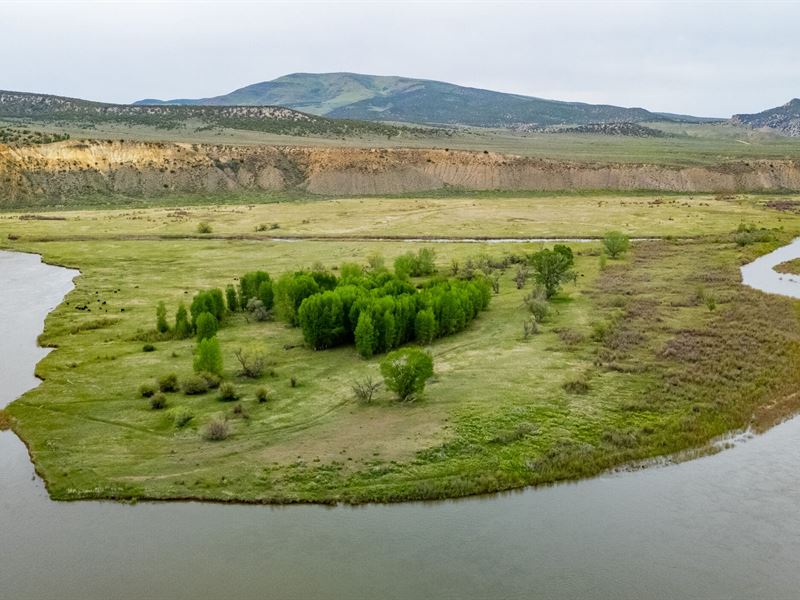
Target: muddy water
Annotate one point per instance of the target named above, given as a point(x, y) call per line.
point(724, 526)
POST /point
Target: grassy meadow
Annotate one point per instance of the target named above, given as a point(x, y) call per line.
point(653, 353)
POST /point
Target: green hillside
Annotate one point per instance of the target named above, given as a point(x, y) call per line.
point(403, 99)
point(44, 108)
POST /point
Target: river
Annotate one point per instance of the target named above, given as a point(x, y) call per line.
point(722, 526)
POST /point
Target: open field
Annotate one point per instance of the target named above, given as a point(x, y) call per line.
point(686, 144)
point(650, 354)
point(461, 215)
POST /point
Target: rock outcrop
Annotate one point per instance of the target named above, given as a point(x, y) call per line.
point(65, 171)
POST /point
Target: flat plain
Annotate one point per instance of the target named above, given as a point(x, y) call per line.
point(640, 357)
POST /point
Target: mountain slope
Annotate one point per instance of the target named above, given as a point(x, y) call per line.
point(783, 119)
point(382, 98)
point(272, 119)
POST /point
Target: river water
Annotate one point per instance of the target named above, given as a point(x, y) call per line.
point(723, 526)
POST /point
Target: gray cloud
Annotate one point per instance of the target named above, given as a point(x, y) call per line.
point(712, 58)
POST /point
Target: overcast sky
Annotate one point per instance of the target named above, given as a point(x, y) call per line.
point(712, 59)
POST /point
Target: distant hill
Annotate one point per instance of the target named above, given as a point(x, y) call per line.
point(271, 119)
point(403, 99)
point(783, 119)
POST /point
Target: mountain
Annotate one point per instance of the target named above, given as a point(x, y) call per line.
point(271, 119)
point(403, 99)
point(783, 119)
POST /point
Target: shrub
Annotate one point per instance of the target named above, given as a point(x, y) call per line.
point(251, 285)
point(529, 328)
point(228, 393)
point(616, 243)
point(158, 401)
point(262, 395)
point(168, 383)
point(364, 389)
point(203, 227)
point(406, 371)
point(181, 416)
point(161, 318)
point(216, 430)
point(148, 348)
point(183, 328)
point(208, 357)
point(576, 386)
point(146, 390)
point(195, 384)
point(212, 379)
point(521, 276)
point(252, 363)
point(257, 310)
point(210, 301)
point(207, 326)
point(537, 304)
point(293, 382)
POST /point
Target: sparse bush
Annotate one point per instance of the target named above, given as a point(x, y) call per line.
point(262, 395)
point(529, 328)
point(181, 416)
point(158, 401)
point(293, 382)
point(203, 227)
point(194, 385)
point(208, 357)
point(228, 393)
point(168, 383)
point(213, 380)
point(616, 243)
point(216, 430)
point(252, 362)
point(256, 308)
point(364, 389)
point(576, 386)
point(146, 390)
point(405, 371)
point(521, 276)
point(148, 348)
point(537, 304)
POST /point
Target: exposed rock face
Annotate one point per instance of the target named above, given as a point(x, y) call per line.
point(783, 119)
point(63, 171)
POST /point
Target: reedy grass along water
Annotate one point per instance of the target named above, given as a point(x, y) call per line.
point(502, 412)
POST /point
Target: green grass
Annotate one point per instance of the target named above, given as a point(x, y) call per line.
point(662, 372)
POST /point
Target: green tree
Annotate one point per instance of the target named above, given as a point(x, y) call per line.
point(183, 328)
point(232, 298)
point(425, 326)
point(208, 357)
point(161, 318)
point(321, 318)
point(266, 294)
point(207, 326)
point(290, 291)
point(405, 371)
point(616, 243)
point(249, 285)
point(551, 268)
point(365, 335)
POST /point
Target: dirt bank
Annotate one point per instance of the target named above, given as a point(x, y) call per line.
point(66, 170)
